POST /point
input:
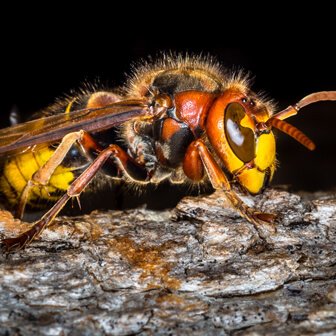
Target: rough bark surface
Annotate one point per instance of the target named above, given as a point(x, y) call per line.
point(196, 269)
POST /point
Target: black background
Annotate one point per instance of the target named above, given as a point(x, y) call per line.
point(37, 68)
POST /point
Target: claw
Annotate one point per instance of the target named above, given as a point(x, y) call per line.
point(259, 219)
point(264, 219)
point(9, 245)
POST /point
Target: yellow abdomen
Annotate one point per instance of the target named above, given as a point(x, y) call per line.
point(18, 170)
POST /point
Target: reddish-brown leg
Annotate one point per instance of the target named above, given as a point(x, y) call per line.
point(123, 162)
point(219, 181)
point(42, 176)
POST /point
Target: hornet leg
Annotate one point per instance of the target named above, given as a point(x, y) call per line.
point(125, 163)
point(218, 179)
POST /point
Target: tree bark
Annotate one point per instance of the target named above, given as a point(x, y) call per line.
point(193, 270)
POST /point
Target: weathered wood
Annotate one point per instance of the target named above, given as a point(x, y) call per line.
point(197, 269)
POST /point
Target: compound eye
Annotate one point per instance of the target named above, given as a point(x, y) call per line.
point(240, 138)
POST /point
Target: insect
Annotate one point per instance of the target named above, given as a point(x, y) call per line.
point(183, 119)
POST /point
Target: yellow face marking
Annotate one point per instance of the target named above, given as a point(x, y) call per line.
point(247, 122)
point(265, 151)
point(252, 180)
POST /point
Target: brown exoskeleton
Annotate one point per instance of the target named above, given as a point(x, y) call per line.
point(182, 119)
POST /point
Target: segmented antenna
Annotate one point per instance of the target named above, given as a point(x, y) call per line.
point(293, 132)
point(277, 119)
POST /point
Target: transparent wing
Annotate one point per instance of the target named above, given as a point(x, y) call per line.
point(53, 128)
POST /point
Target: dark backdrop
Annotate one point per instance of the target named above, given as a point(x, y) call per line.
point(35, 70)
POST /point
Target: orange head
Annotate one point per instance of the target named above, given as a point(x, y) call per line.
point(237, 129)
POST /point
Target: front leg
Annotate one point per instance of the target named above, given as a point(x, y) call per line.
point(198, 159)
